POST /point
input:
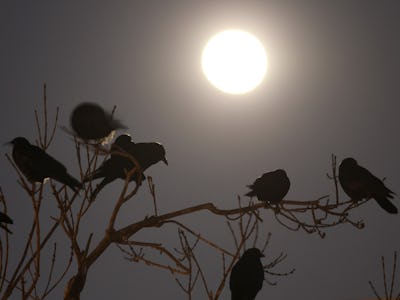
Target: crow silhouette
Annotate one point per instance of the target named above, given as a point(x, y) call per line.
point(5, 219)
point(247, 276)
point(37, 165)
point(358, 183)
point(117, 166)
point(271, 187)
point(91, 122)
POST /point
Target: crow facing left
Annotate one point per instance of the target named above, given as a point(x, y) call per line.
point(37, 165)
point(271, 187)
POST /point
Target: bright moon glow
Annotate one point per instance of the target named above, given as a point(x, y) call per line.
point(234, 61)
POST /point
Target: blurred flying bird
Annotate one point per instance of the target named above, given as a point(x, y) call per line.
point(117, 166)
point(91, 122)
point(5, 219)
point(37, 165)
point(247, 276)
point(271, 187)
point(358, 183)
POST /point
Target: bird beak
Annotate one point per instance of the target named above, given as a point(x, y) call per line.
point(165, 160)
point(7, 143)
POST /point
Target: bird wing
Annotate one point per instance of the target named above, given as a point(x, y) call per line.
point(382, 194)
point(379, 189)
point(147, 154)
point(28, 166)
point(373, 185)
point(42, 159)
point(98, 173)
point(354, 181)
point(112, 168)
point(54, 169)
point(35, 163)
point(252, 193)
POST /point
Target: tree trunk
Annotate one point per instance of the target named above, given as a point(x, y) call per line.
point(75, 286)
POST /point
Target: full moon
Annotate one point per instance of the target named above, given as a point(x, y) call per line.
point(234, 61)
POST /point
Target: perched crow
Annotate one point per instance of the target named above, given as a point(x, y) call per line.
point(91, 122)
point(123, 142)
point(271, 187)
point(247, 276)
point(37, 165)
point(358, 183)
point(5, 219)
point(117, 166)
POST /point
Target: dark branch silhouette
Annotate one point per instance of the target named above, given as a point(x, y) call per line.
point(35, 276)
point(388, 285)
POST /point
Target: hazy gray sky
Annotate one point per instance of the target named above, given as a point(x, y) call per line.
point(332, 87)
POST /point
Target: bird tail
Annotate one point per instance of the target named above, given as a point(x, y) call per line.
point(95, 192)
point(5, 228)
point(386, 205)
point(94, 175)
point(252, 193)
point(73, 183)
point(98, 188)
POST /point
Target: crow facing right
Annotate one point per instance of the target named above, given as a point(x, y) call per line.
point(117, 166)
point(247, 276)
